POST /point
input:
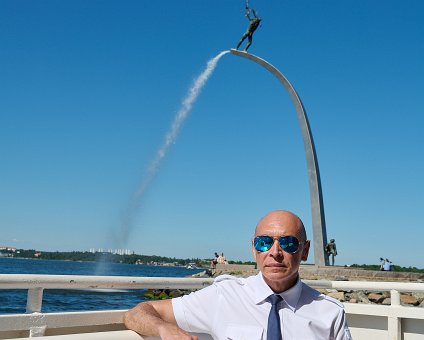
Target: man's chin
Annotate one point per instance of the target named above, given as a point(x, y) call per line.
point(278, 267)
point(275, 277)
point(276, 273)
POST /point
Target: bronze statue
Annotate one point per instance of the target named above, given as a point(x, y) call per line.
point(253, 25)
point(331, 249)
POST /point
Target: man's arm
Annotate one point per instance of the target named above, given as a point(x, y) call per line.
point(341, 329)
point(248, 11)
point(155, 318)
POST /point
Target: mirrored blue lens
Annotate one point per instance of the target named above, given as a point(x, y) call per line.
point(263, 243)
point(289, 244)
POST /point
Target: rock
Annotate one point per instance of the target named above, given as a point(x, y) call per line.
point(374, 297)
point(331, 291)
point(353, 301)
point(419, 296)
point(409, 299)
point(163, 296)
point(421, 304)
point(386, 294)
point(337, 295)
point(387, 302)
point(152, 294)
point(362, 297)
point(176, 293)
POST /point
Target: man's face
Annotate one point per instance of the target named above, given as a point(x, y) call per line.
point(279, 268)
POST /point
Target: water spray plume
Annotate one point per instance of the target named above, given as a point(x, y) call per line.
point(170, 137)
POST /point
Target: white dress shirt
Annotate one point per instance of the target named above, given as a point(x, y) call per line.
point(236, 308)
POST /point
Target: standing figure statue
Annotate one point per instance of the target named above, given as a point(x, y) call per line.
point(253, 25)
point(331, 249)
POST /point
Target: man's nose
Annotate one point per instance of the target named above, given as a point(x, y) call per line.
point(276, 249)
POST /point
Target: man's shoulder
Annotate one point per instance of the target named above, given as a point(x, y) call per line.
point(333, 301)
point(310, 292)
point(225, 279)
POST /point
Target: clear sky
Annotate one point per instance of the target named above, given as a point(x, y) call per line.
point(88, 90)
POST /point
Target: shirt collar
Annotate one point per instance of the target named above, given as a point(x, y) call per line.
point(262, 290)
point(291, 296)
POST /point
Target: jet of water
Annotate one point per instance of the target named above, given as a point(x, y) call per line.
point(170, 137)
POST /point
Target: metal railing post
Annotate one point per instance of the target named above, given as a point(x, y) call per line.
point(34, 300)
point(34, 304)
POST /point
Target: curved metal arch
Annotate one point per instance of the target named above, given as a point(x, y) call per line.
point(317, 204)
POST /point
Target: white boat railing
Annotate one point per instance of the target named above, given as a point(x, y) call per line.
point(366, 321)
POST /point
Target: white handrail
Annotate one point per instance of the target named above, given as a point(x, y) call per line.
point(30, 281)
point(367, 285)
point(364, 316)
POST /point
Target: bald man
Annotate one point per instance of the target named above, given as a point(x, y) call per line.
point(274, 304)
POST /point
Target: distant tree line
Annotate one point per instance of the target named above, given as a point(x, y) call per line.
point(241, 262)
point(111, 258)
point(149, 259)
point(102, 257)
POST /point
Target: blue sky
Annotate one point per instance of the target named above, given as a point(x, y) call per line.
point(88, 90)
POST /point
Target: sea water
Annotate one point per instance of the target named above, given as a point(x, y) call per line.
point(59, 300)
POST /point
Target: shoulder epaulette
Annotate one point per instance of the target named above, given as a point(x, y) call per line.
point(226, 277)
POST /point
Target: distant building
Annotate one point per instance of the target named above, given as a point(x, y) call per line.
point(113, 251)
point(5, 248)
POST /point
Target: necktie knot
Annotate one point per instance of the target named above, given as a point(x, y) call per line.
point(274, 299)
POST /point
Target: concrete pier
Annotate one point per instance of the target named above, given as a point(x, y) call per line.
point(331, 273)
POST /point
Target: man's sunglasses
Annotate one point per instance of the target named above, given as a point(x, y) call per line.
point(289, 244)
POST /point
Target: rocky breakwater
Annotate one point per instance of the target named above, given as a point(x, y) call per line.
point(351, 296)
point(229, 269)
point(374, 297)
point(336, 273)
point(311, 272)
point(163, 294)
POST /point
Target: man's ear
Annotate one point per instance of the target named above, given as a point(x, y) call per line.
point(305, 251)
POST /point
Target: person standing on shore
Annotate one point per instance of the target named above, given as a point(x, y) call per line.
point(222, 259)
point(214, 261)
point(387, 265)
point(272, 305)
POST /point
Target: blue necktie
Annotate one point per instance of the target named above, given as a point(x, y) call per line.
point(274, 328)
